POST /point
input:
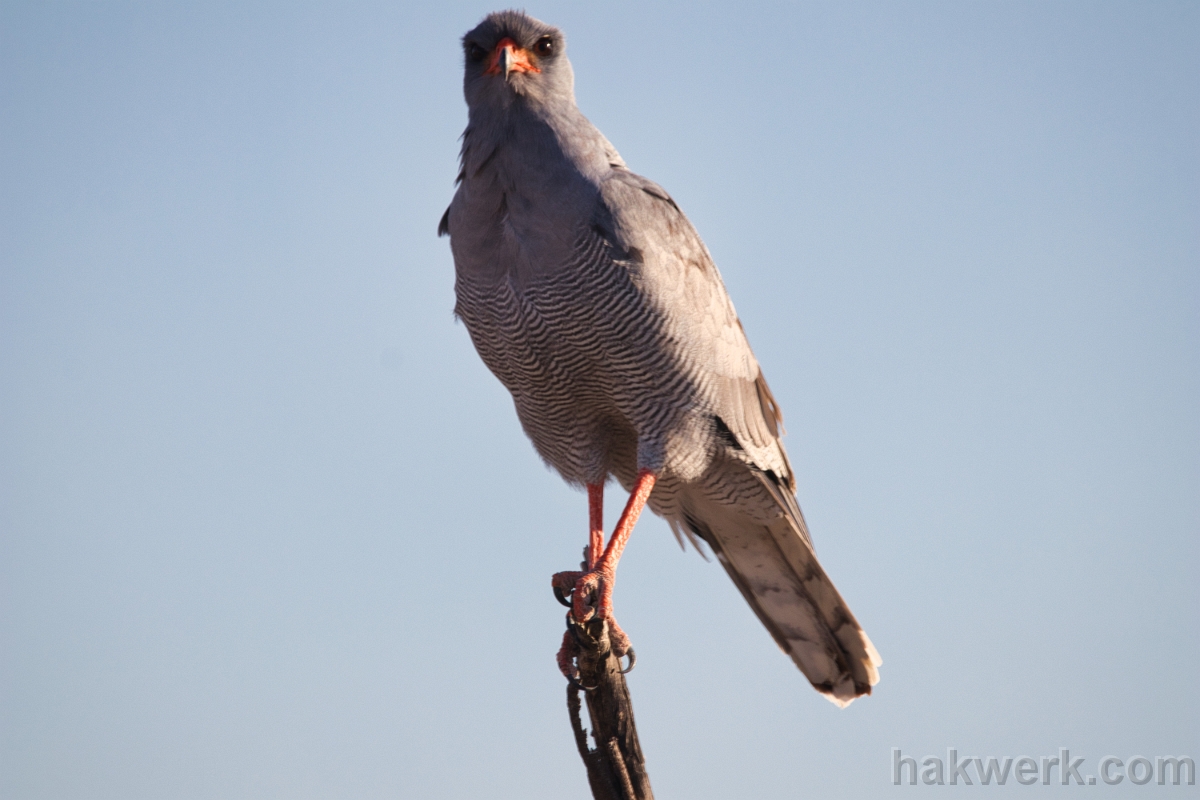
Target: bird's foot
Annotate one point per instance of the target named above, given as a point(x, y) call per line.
point(587, 594)
point(563, 584)
point(620, 642)
point(569, 651)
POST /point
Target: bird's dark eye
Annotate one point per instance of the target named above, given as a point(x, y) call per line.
point(544, 46)
point(475, 52)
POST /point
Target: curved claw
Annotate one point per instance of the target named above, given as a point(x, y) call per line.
point(558, 595)
point(632, 662)
point(577, 685)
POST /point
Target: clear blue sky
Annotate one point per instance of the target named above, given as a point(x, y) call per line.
point(268, 528)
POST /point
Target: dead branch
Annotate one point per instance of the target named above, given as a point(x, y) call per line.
point(616, 769)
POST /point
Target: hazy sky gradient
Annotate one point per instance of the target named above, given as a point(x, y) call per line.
point(268, 527)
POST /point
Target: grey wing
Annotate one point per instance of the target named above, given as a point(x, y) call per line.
point(744, 507)
point(675, 272)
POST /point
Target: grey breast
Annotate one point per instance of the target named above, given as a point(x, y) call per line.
point(583, 353)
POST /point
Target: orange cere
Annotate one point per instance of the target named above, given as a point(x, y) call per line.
point(518, 57)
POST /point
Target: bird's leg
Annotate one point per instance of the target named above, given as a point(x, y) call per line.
point(598, 581)
point(564, 582)
point(595, 523)
point(591, 591)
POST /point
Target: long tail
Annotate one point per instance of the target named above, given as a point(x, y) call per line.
point(761, 539)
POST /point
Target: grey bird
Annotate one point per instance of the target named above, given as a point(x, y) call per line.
point(589, 294)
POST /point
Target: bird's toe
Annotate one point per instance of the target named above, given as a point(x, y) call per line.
point(563, 584)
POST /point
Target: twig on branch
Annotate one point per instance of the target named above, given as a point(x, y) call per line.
point(616, 769)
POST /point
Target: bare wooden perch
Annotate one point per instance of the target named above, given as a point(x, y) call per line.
point(616, 769)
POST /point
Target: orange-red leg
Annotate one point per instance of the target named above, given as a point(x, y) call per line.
point(596, 584)
point(564, 582)
point(595, 523)
point(603, 575)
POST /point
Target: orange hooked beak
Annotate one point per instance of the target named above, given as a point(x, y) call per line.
point(509, 57)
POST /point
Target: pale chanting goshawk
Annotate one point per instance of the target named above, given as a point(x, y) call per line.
point(591, 297)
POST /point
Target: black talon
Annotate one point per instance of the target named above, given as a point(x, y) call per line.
point(632, 661)
point(576, 684)
point(558, 595)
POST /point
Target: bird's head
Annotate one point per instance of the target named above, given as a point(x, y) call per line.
point(512, 57)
